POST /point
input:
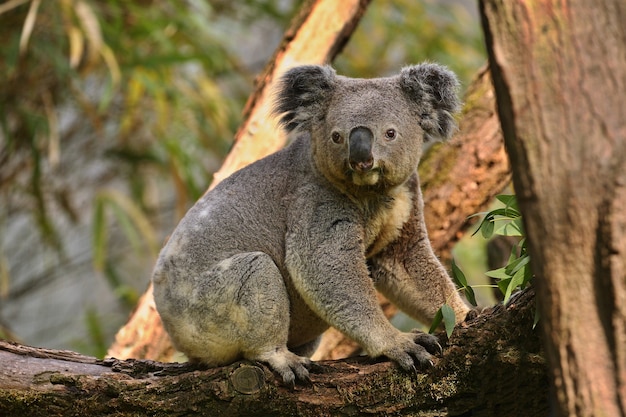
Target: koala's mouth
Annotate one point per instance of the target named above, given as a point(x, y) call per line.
point(365, 177)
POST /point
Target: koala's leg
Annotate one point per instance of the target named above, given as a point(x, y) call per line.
point(330, 273)
point(237, 309)
point(307, 349)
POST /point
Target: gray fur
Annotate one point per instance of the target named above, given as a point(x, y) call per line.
point(299, 240)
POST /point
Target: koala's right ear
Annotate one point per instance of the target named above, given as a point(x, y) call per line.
point(434, 90)
point(302, 95)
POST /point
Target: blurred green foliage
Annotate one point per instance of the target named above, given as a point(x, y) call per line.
point(395, 33)
point(161, 83)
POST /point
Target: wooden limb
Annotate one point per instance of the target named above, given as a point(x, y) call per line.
point(492, 365)
point(315, 37)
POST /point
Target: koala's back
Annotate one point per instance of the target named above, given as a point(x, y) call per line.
point(245, 212)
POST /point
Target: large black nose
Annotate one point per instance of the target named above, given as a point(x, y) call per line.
point(360, 154)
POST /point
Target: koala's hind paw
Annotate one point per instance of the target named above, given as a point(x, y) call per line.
point(288, 365)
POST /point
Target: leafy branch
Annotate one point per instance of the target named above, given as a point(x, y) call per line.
point(516, 274)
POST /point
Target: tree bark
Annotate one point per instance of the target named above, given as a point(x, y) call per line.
point(491, 366)
point(316, 36)
point(559, 70)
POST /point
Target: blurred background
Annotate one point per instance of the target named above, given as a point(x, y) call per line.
point(113, 117)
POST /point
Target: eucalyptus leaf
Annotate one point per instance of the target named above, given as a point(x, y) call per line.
point(482, 222)
point(469, 294)
point(487, 227)
point(503, 285)
point(515, 282)
point(510, 228)
point(509, 200)
point(436, 322)
point(517, 264)
point(461, 281)
point(449, 318)
point(458, 276)
point(506, 213)
point(499, 273)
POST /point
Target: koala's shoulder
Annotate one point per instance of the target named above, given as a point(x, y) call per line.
point(285, 168)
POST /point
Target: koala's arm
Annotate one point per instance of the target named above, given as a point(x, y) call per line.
point(326, 261)
point(409, 274)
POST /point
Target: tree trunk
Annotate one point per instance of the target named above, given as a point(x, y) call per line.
point(316, 36)
point(492, 366)
point(559, 70)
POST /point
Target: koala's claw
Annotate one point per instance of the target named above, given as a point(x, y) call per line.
point(289, 366)
point(429, 341)
point(411, 355)
point(472, 314)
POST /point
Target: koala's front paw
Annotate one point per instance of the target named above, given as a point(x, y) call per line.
point(429, 341)
point(414, 351)
point(472, 314)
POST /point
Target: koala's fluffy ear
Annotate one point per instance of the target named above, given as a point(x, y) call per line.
point(302, 94)
point(434, 90)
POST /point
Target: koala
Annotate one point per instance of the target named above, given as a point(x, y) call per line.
point(299, 241)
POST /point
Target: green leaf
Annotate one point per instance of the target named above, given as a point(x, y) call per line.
point(469, 294)
point(517, 264)
point(487, 227)
point(507, 213)
point(449, 319)
point(503, 285)
point(499, 273)
point(461, 281)
point(528, 275)
point(510, 228)
point(515, 282)
point(436, 322)
point(509, 200)
point(482, 222)
point(458, 276)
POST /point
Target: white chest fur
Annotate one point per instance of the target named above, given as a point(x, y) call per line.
point(385, 225)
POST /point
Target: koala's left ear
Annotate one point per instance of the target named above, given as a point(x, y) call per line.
point(434, 90)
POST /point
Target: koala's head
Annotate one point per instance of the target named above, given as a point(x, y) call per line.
point(368, 132)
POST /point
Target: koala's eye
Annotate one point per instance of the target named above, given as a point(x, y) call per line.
point(390, 134)
point(336, 137)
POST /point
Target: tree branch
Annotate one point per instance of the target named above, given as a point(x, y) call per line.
point(492, 365)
